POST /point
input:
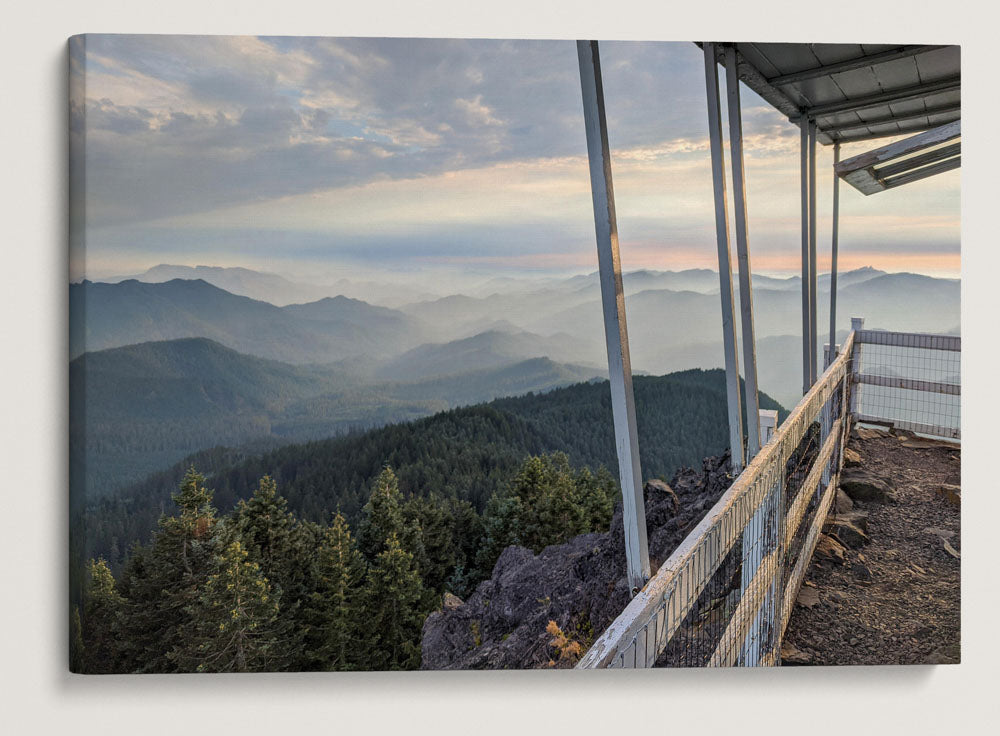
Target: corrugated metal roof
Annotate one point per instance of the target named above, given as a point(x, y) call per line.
point(856, 91)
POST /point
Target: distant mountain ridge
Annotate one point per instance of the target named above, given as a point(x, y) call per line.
point(130, 312)
point(139, 408)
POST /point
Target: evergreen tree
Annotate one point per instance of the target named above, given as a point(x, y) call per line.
point(236, 615)
point(268, 533)
point(100, 621)
point(436, 557)
point(393, 612)
point(335, 606)
point(382, 516)
point(501, 528)
point(164, 582)
point(596, 494)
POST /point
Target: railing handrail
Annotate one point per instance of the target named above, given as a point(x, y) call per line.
point(645, 605)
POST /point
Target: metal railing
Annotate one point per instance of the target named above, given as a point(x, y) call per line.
point(725, 595)
point(909, 381)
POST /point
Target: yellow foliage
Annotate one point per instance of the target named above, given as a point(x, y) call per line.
point(568, 650)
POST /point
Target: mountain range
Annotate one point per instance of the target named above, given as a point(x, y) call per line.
point(139, 408)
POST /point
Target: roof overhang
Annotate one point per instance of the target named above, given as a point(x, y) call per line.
point(905, 161)
point(855, 92)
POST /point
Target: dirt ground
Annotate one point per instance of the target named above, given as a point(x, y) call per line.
point(894, 599)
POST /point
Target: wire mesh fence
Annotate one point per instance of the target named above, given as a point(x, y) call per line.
point(722, 597)
point(909, 381)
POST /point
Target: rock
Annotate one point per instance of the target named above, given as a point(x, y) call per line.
point(828, 548)
point(950, 654)
point(852, 458)
point(950, 493)
point(807, 597)
point(861, 572)
point(850, 528)
point(580, 585)
point(790, 655)
point(451, 602)
point(842, 503)
point(863, 485)
point(943, 534)
point(867, 433)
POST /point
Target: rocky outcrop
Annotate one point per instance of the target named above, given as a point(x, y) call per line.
point(863, 485)
point(580, 585)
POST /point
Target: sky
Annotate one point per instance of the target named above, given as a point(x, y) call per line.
point(322, 158)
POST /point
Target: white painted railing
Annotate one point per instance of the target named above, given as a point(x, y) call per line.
point(724, 596)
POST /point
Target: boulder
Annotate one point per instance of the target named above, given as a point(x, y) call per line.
point(852, 458)
point(828, 548)
point(851, 528)
point(790, 655)
point(863, 485)
point(451, 602)
point(842, 503)
point(867, 433)
point(950, 493)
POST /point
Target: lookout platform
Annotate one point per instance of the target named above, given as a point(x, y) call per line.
point(884, 586)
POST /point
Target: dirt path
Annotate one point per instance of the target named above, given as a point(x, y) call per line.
point(894, 599)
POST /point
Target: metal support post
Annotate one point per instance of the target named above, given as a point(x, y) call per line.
point(804, 166)
point(833, 251)
point(725, 260)
point(743, 253)
point(613, 301)
point(813, 334)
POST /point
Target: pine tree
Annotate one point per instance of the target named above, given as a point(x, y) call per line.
point(393, 613)
point(436, 557)
point(163, 582)
point(269, 533)
point(100, 620)
point(595, 494)
point(335, 606)
point(382, 516)
point(236, 615)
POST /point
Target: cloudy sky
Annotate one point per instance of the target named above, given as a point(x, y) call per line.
point(321, 157)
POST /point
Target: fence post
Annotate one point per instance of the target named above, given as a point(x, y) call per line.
point(857, 324)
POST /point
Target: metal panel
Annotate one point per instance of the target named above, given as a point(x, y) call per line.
point(927, 341)
point(743, 252)
point(850, 62)
point(725, 260)
point(613, 300)
point(881, 98)
point(909, 383)
point(918, 427)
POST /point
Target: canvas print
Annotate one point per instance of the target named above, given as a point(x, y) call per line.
point(412, 353)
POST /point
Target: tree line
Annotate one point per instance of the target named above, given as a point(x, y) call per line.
point(261, 589)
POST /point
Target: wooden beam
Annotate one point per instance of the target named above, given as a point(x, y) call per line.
point(925, 172)
point(908, 164)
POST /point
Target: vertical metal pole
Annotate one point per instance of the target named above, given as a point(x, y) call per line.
point(613, 300)
point(857, 324)
point(813, 340)
point(725, 260)
point(743, 253)
point(804, 165)
point(833, 252)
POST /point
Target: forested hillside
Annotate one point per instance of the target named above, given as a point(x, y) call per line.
point(465, 454)
point(141, 408)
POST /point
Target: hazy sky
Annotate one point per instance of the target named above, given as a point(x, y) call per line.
point(335, 157)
